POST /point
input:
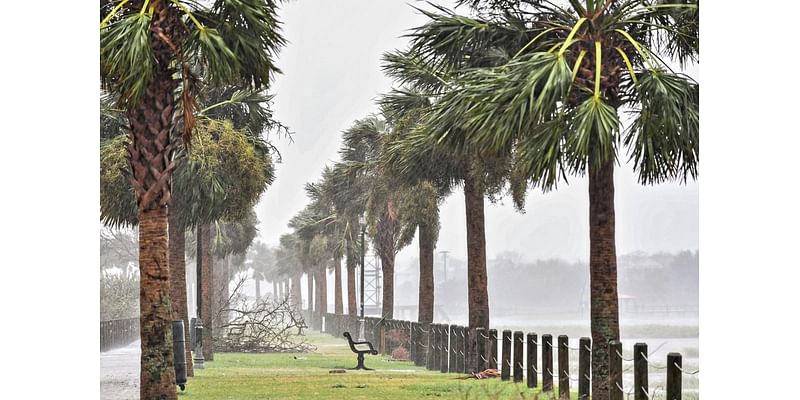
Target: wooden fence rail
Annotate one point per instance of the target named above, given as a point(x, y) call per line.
point(118, 333)
point(445, 348)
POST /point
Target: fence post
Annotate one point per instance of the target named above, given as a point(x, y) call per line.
point(640, 384)
point(466, 349)
point(452, 355)
point(445, 353)
point(518, 348)
point(481, 358)
point(505, 370)
point(674, 365)
point(584, 364)
point(615, 370)
point(563, 367)
point(492, 348)
point(532, 355)
point(547, 363)
point(429, 354)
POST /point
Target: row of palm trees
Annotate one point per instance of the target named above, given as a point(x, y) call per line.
point(517, 95)
point(166, 66)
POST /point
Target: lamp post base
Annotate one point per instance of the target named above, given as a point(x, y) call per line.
point(361, 337)
point(198, 360)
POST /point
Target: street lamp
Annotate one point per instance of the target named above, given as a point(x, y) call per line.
point(362, 221)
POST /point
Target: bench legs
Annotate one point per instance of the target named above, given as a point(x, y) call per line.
point(361, 363)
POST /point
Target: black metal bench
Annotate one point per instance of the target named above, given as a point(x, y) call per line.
point(360, 353)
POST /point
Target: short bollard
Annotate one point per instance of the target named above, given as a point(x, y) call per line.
point(492, 344)
point(179, 353)
point(518, 347)
point(547, 363)
point(584, 363)
point(615, 370)
point(532, 356)
point(674, 365)
point(640, 384)
point(563, 367)
point(467, 346)
point(505, 370)
point(481, 359)
point(451, 364)
point(443, 343)
point(198, 361)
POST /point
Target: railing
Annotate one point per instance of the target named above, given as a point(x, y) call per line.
point(446, 348)
point(118, 333)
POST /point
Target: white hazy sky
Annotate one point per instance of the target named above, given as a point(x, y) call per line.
point(331, 76)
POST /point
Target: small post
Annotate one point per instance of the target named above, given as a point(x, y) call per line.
point(430, 354)
point(435, 350)
point(459, 364)
point(451, 365)
point(674, 365)
point(465, 349)
point(547, 363)
point(505, 370)
point(481, 358)
point(179, 353)
point(412, 344)
point(422, 342)
point(584, 364)
point(532, 355)
point(518, 348)
point(492, 348)
point(444, 357)
point(615, 370)
point(640, 384)
point(563, 367)
point(198, 361)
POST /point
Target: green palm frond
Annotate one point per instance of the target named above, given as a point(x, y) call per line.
point(126, 57)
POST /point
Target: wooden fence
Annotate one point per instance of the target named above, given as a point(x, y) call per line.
point(442, 347)
point(118, 333)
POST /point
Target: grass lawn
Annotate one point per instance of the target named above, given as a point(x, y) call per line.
point(282, 376)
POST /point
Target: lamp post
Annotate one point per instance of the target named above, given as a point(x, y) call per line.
point(362, 220)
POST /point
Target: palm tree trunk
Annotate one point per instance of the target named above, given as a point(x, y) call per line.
point(177, 282)
point(157, 377)
point(338, 307)
point(386, 250)
point(207, 292)
point(603, 274)
point(310, 291)
point(322, 295)
point(275, 293)
point(477, 291)
point(426, 284)
point(297, 292)
point(350, 261)
point(257, 278)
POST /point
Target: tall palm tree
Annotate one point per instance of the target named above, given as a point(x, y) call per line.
point(144, 45)
point(426, 75)
point(557, 100)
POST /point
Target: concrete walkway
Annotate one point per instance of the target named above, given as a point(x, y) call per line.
point(119, 373)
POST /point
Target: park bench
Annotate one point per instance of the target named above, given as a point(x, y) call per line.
point(360, 353)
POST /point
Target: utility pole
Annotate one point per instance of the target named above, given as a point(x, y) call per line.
point(444, 254)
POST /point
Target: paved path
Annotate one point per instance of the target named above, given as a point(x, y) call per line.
point(119, 373)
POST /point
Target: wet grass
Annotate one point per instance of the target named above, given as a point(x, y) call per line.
point(306, 376)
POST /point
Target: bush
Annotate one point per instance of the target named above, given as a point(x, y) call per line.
point(119, 296)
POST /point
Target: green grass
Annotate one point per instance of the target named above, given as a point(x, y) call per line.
point(282, 376)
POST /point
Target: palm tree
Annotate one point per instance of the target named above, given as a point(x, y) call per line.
point(144, 45)
point(262, 261)
point(557, 100)
point(414, 156)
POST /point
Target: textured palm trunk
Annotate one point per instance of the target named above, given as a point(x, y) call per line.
point(386, 251)
point(297, 292)
point(322, 296)
point(426, 284)
point(310, 291)
point(477, 283)
point(206, 291)
point(221, 279)
point(350, 261)
point(150, 154)
point(157, 369)
point(603, 274)
point(338, 307)
point(177, 283)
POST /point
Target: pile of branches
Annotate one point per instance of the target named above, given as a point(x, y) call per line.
point(269, 325)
